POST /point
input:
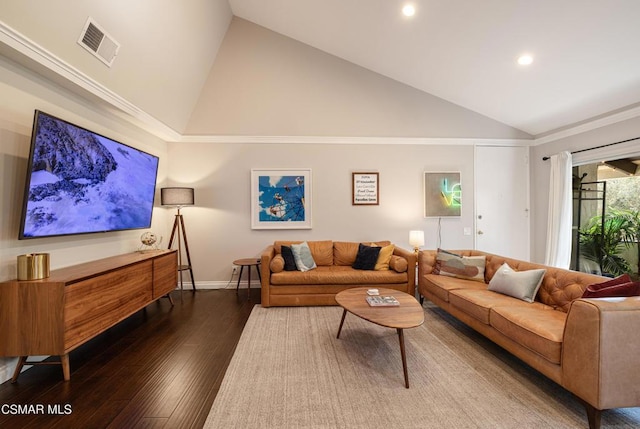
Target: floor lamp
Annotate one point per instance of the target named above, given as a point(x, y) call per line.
point(416, 239)
point(179, 197)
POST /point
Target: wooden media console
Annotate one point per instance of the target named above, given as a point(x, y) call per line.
point(55, 315)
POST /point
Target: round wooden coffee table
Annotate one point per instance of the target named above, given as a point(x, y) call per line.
point(409, 314)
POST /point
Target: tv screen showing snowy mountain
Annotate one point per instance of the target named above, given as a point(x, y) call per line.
point(80, 182)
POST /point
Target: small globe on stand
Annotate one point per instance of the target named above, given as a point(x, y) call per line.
point(149, 242)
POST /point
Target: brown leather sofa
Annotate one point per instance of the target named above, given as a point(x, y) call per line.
point(332, 275)
point(588, 346)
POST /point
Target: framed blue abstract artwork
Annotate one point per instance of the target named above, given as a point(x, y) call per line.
point(281, 198)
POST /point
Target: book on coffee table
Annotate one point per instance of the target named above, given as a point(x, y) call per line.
point(382, 301)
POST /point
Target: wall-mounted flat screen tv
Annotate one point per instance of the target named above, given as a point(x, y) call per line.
point(81, 182)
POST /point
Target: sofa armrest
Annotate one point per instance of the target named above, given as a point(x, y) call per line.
point(600, 351)
point(265, 273)
point(410, 256)
point(426, 262)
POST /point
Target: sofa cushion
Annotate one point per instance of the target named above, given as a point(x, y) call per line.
point(277, 264)
point(344, 253)
point(321, 251)
point(366, 258)
point(519, 284)
point(559, 287)
point(337, 275)
point(398, 264)
point(478, 303)
point(440, 286)
point(539, 328)
point(384, 258)
point(463, 267)
point(302, 255)
point(289, 260)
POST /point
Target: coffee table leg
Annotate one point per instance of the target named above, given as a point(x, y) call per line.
point(404, 357)
point(344, 313)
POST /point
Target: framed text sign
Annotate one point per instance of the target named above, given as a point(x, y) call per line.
point(365, 189)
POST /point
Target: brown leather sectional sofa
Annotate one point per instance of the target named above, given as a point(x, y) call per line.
point(591, 347)
point(333, 274)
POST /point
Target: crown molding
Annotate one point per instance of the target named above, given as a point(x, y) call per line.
point(34, 52)
point(449, 141)
point(611, 119)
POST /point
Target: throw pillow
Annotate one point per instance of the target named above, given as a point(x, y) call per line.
point(620, 286)
point(463, 267)
point(384, 257)
point(523, 285)
point(302, 256)
point(366, 258)
point(440, 255)
point(398, 264)
point(277, 264)
point(289, 260)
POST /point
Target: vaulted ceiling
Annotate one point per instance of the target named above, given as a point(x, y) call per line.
point(586, 54)
point(586, 61)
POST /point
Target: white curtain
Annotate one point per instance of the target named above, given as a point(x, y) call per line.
point(558, 252)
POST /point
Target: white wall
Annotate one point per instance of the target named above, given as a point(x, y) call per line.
point(265, 84)
point(21, 92)
point(167, 47)
point(540, 169)
point(219, 226)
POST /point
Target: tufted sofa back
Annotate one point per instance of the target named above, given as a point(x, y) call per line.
point(559, 287)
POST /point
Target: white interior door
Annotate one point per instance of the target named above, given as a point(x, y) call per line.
point(502, 201)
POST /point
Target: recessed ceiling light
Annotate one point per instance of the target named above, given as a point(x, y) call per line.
point(525, 60)
point(408, 10)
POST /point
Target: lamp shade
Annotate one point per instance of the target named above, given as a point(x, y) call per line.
point(416, 238)
point(177, 197)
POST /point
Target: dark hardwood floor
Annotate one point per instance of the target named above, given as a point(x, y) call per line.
point(160, 368)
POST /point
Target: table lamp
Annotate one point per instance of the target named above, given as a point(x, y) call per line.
point(416, 239)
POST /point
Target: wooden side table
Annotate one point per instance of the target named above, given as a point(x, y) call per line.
point(247, 262)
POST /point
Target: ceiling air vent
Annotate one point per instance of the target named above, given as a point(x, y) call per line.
point(95, 40)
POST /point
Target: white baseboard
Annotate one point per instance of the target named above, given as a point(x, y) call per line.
point(216, 284)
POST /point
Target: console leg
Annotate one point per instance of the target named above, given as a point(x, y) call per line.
point(66, 369)
point(19, 366)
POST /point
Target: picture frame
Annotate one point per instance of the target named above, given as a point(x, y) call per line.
point(281, 198)
point(442, 192)
point(365, 189)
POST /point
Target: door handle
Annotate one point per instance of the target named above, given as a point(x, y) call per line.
point(480, 232)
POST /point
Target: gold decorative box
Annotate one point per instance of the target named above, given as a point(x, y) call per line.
point(33, 266)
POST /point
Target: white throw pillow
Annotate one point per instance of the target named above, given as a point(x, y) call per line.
point(302, 256)
point(523, 285)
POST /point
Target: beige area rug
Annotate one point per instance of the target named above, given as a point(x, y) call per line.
point(290, 371)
